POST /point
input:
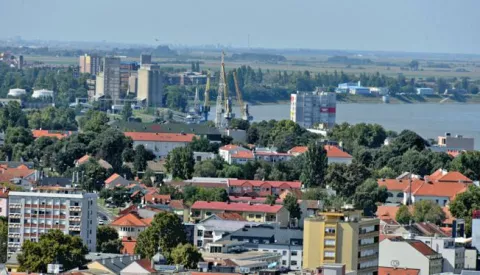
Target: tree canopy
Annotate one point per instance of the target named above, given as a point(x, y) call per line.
point(315, 166)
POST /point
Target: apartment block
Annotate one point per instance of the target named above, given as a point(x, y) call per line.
point(32, 214)
point(453, 255)
point(90, 64)
point(312, 109)
point(150, 85)
point(108, 81)
point(342, 237)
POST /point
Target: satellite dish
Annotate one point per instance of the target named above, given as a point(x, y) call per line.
point(394, 263)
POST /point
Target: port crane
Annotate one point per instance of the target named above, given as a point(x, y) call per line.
point(243, 106)
point(224, 103)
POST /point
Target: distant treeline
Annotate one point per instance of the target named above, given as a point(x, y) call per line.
point(349, 61)
point(262, 57)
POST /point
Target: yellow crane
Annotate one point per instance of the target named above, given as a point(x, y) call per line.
point(206, 100)
point(228, 102)
point(243, 106)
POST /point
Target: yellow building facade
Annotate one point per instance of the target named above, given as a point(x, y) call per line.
point(342, 237)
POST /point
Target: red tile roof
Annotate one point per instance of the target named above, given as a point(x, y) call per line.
point(147, 265)
point(243, 155)
point(160, 137)
point(298, 150)
point(237, 207)
point(112, 178)
point(131, 219)
point(439, 189)
point(397, 271)
point(154, 197)
point(83, 159)
point(264, 153)
point(131, 208)
point(128, 245)
point(258, 183)
point(422, 247)
point(51, 133)
point(452, 176)
point(3, 193)
point(7, 174)
point(335, 152)
point(177, 204)
point(230, 147)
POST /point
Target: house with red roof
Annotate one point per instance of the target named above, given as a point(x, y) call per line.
point(261, 188)
point(153, 197)
point(240, 154)
point(409, 254)
point(116, 180)
point(129, 244)
point(160, 143)
point(130, 225)
point(440, 187)
point(382, 270)
point(251, 212)
point(51, 133)
point(334, 153)
point(103, 163)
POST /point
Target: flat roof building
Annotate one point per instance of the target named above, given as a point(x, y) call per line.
point(312, 109)
point(150, 85)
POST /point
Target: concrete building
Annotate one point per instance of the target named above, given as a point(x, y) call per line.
point(251, 212)
point(201, 156)
point(410, 254)
point(3, 202)
point(126, 70)
point(448, 142)
point(312, 109)
point(90, 64)
point(476, 229)
point(272, 238)
point(425, 91)
point(150, 85)
point(347, 238)
point(160, 143)
point(133, 83)
point(32, 214)
point(108, 81)
point(453, 256)
point(145, 59)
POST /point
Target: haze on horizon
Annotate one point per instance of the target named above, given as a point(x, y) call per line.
point(440, 26)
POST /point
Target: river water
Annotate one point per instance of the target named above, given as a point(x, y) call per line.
point(428, 120)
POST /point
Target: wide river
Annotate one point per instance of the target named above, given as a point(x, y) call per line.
point(428, 120)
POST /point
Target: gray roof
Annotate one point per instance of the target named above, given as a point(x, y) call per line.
point(280, 234)
point(169, 127)
point(470, 272)
point(94, 256)
point(116, 264)
point(54, 181)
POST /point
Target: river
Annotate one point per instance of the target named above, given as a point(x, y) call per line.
point(428, 120)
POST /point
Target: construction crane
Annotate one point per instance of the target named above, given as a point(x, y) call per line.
point(243, 106)
point(205, 109)
point(228, 101)
point(219, 108)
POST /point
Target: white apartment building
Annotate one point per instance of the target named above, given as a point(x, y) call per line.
point(34, 213)
point(453, 256)
point(160, 143)
point(310, 109)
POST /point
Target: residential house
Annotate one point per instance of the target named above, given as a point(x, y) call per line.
point(414, 255)
point(103, 163)
point(261, 188)
point(334, 153)
point(51, 133)
point(251, 212)
point(440, 187)
point(382, 270)
point(160, 143)
point(273, 238)
point(130, 225)
point(139, 267)
point(216, 226)
point(153, 197)
point(272, 157)
point(240, 155)
point(116, 180)
point(17, 174)
point(111, 265)
point(128, 245)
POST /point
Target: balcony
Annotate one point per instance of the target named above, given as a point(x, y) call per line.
point(75, 208)
point(15, 215)
point(74, 228)
point(74, 218)
point(15, 205)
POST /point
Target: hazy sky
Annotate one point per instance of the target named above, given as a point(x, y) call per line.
point(393, 25)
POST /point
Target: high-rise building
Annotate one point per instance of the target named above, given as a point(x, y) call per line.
point(342, 237)
point(20, 62)
point(32, 214)
point(150, 85)
point(145, 59)
point(90, 64)
point(132, 83)
point(111, 77)
point(126, 70)
point(312, 109)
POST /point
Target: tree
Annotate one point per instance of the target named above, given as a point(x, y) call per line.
point(291, 204)
point(467, 163)
point(126, 111)
point(205, 168)
point(3, 239)
point(316, 194)
point(344, 179)
point(141, 157)
point(166, 232)
point(16, 135)
point(413, 65)
point(52, 247)
point(428, 211)
point(192, 194)
point(315, 166)
point(107, 240)
point(367, 195)
point(109, 145)
point(12, 115)
point(203, 145)
point(95, 121)
point(403, 215)
point(270, 199)
point(464, 204)
point(180, 163)
point(186, 255)
point(92, 175)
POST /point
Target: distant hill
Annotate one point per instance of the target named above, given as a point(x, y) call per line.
point(263, 57)
point(349, 61)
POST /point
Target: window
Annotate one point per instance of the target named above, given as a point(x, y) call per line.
point(400, 195)
point(329, 254)
point(284, 262)
point(389, 194)
point(293, 263)
point(284, 253)
point(250, 216)
point(208, 213)
point(258, 216)
point(199, 243)
point(294, 253)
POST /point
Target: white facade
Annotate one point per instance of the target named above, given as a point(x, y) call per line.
point(16, 92)
point(291, 254)
point(359, 91)
point(453, 257)
point(129, 231)
point(442, 201)
point(408, 258)
point(42, 93)
point(32, 214)
point(201, 156)
point(211, 230)
point(310, 109)
point(160, 148)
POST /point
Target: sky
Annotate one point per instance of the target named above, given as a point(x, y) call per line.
point(445, 26)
